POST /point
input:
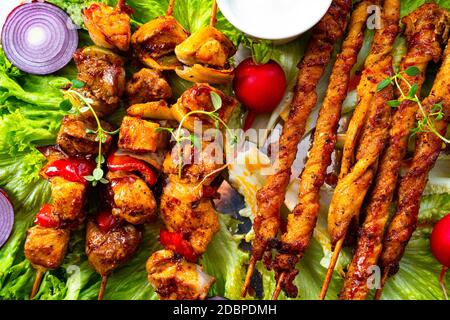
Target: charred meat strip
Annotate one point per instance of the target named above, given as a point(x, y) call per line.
point(428, 147)
point(270, 198)
point(425, 28)
point(302, 221)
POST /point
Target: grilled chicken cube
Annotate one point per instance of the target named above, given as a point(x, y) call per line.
point(74, 140)
point(109, 27)
point(102, 72)
point(68, 199)
point(196, 220)
point(141, 135)
point(208, 46)
point(147, 85)
point(198, 98)
point(45, 248)
point(133, 200)
point(176, 279)
point(108, 250)
point(157, 39)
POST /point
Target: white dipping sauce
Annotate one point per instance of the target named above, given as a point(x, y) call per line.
point(274, 19)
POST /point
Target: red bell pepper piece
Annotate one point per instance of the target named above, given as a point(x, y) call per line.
point(127, 163)
point(105, 220)
point(174, 241)
point(44, 217)
point(70, 169)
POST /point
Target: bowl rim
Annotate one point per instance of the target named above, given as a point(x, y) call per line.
point(226, 11)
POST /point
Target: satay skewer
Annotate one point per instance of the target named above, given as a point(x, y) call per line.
point(271, 197)
point(37, 282)
point(102, 289)
point(302, 220)
point(360, 162)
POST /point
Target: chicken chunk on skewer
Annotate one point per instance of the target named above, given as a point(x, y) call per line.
point(154, 42)
point(46, 248)
point(103, 74)
point(147, 85)
point(74, 139)
point(176, 279)
point(109, 27)
point(133, 200)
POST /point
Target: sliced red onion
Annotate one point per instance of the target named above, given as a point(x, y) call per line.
point(6, 217)
point(39, 38)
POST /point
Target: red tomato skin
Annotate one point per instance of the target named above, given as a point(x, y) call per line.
point(440, 241)
point(260, 87)
point(105, 220)
point(44, 217)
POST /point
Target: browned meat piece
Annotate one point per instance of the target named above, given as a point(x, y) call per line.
point(194, 218)
point(207, 46)
point(199, 166)
point(147, 85)
point(425, 28)
point(302, 221)
point(198, 98)
point(109, 27)
point(176, 279)
point(74, 140)
point(158, 110)
point(428, 147)
point(271, 197)
point(141, 135)
point(103, 73)
point(133, 200)
point(45, 248)
point(108, 250)
point(155, 41)
point(68, 200)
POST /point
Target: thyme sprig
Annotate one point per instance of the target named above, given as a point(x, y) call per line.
point(427, 122)
point(101, 134)
point(179, 134)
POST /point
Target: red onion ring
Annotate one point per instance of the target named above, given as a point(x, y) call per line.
point(39, 38)
point(6, 217)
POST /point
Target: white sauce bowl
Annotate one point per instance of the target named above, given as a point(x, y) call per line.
point(280, 20)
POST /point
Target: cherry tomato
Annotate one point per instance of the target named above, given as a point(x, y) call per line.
point(175, 241)
point(44, 217)
point(440, 241)
point(126, 163)
point(260, 87)
point(105, 220)
point(70, 169)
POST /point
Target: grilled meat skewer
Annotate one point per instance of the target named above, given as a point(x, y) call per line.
point(186, 206)
point(270, 198)
point(355, 181)
point(301, 222)
point(428, 147)
point(425, 28)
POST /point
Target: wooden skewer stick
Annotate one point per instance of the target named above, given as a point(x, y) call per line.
point(332, 265)
point(213, 20)
point(248, 277)
point(170, 8)
point(441, 281)
point(37, 283)
point(101, 292)
point(277, 291)
point(379, 291)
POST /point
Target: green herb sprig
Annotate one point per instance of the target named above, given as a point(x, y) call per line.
point(101, 135)
point(428, 119)
point(179, 135)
